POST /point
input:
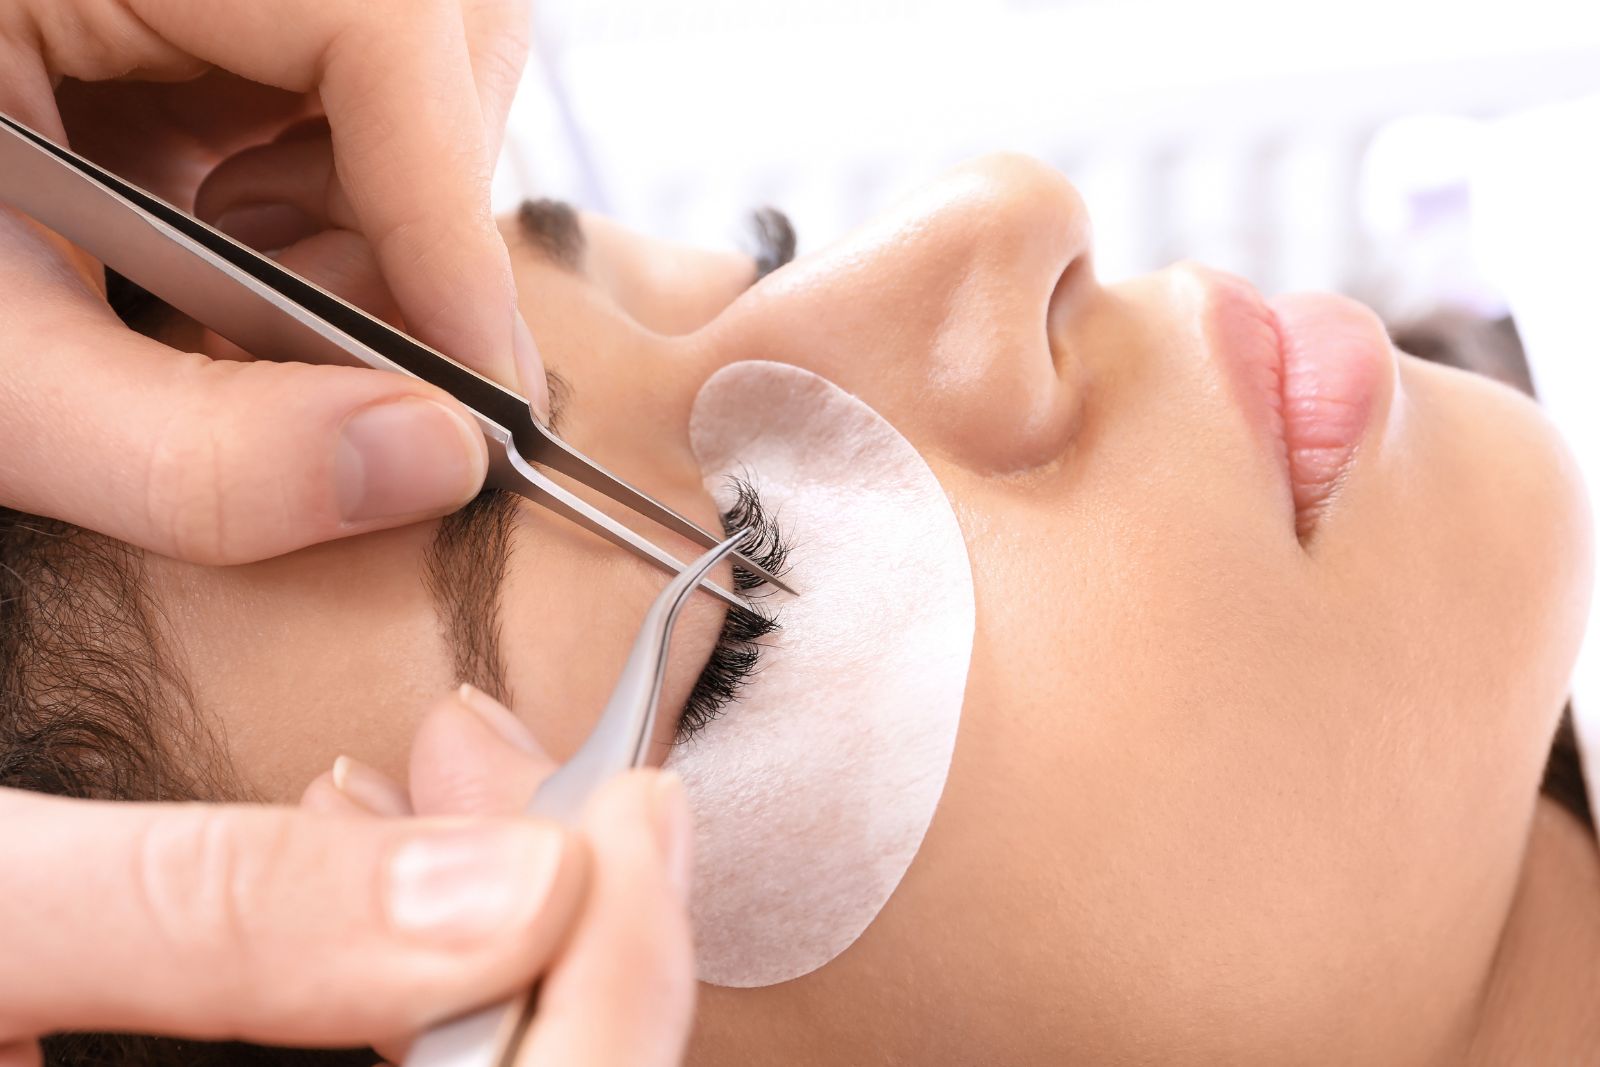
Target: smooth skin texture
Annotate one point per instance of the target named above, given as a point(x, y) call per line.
point(412, 919)
point(222, 462)
point(201, 460)
point(472, 757)
point(1221, 794)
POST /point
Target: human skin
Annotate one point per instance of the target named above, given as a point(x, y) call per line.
point(1236, 780)
point(159, 90)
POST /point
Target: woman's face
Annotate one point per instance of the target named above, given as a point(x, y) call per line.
point(1266, 663)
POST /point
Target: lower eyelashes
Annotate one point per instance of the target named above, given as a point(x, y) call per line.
point(737, 654)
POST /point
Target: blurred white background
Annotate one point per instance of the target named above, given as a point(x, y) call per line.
point(1412, 152)
point(1240, 132)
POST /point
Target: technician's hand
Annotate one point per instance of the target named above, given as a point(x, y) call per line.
point(620, 991)
point(222, 461)
point(340, 929)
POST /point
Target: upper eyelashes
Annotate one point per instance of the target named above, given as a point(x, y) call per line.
point(737, 654)
point(766, 546)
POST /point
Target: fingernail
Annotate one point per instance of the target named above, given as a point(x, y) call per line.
point(530, 368)
point(369, 788)
point(674, 828)
point(407, 457)
point(499, 718)
point(465, 884)
point(266, 226)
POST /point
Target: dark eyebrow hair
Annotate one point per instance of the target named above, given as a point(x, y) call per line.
point(463, 569)
point(553, 226)
point(775, 240)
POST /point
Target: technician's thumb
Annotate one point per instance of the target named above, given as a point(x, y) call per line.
point(272, 925)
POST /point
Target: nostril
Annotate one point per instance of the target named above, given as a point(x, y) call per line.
point(1015, 235)
point(1005, 393)
point(1073, 289)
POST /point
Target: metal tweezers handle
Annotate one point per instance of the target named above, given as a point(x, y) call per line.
point(275, 314)
point(215, 280)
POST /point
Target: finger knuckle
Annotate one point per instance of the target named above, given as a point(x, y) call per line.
point(16, 31)
point(441, 9)
point(416, 8)
point(500, 62)
point(502, 15)
point(419, 250)
point(182, 493)
point(96, 42)
point(188, 473)
point(198, 877)
point(506, 35)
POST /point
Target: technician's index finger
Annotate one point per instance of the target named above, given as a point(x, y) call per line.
point(413, 156)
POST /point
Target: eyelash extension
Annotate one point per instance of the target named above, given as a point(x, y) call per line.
point(767, 547)
point(738, 652)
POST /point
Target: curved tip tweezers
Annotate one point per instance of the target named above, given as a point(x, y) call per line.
point(274, 313)
point(492, 1036)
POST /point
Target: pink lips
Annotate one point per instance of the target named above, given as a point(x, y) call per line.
point(1336, 358)
point(1309, 368)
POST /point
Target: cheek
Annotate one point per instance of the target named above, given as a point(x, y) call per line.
point(1488, 531)
point(1199, 771)
point(1191, 773)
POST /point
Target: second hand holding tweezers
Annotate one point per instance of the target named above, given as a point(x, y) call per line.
point(273, 313)
point(620, 741)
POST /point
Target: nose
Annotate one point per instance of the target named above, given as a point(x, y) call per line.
point(945, 314)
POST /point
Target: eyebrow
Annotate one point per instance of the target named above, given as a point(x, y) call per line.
point(775, 240)
point(554, 228)
point(463, 569)
point(465, 565)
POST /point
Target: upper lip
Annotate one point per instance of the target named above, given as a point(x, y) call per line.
point(1309, 370)
point(1244, 333)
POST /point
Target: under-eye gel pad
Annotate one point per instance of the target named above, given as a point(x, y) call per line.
point(812, 793)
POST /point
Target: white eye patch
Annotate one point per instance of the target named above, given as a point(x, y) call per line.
point(812, 793)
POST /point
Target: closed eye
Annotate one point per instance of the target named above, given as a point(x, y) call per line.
point(737, 656)
point(554, 227)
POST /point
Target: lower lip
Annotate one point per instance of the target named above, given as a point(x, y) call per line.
point(1320, 386)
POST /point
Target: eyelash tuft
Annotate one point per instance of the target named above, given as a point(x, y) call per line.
point(766, 546)
point(738, 652)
